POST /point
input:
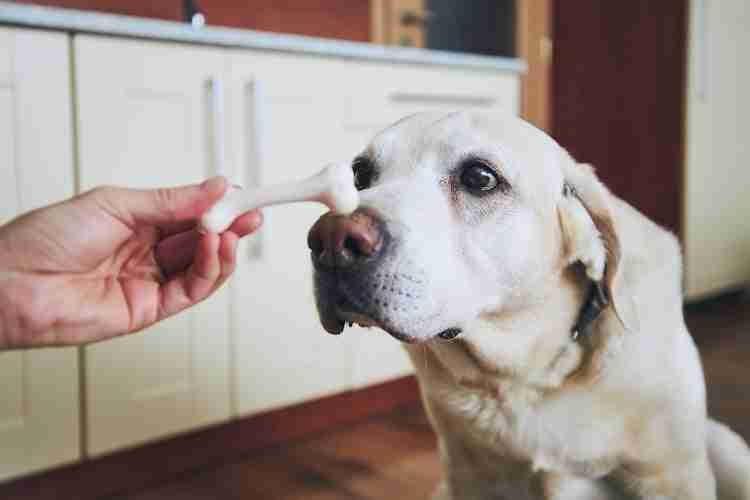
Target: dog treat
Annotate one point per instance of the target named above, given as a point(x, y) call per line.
point(333, 186)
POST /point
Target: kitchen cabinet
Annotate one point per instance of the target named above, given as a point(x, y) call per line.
point(153, 115)
point(716, 204)
point(39, 393)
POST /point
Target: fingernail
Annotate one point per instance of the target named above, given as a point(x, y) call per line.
point(257, 220)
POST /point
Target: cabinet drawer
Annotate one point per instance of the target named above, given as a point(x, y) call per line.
point(381, 95)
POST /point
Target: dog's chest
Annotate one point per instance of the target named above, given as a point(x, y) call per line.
point(566, 435)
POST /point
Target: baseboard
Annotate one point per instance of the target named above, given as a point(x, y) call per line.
point(134, 469)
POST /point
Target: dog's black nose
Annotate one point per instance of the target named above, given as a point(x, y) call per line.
point(345, 241)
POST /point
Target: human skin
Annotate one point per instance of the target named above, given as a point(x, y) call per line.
point(110, 262)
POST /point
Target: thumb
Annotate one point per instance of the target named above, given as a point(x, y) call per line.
point(163, 205)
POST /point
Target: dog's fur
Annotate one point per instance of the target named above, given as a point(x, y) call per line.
point(521, 409)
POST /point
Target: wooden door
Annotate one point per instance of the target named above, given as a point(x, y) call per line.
point(618, 97)
point(717, 167)
point(536, 48)
point(153, 115)
point(398, 22)
point(39, 393)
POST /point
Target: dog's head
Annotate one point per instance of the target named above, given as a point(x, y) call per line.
point(461, 214)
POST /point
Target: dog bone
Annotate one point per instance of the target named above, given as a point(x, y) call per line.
point(333, 186)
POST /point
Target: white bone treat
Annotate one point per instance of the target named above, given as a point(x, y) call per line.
point(333, 186)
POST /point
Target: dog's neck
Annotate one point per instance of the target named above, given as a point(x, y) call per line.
point(530, 345)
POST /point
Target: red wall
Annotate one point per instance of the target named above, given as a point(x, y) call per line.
point(343, 19)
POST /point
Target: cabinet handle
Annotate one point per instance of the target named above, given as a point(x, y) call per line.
point(703, 48)
point(215, 91)
point(255, 120)
point(444, 99)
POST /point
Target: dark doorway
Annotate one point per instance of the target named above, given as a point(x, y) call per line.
point(474, 26)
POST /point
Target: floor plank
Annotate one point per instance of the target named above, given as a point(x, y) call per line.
point(394, 456)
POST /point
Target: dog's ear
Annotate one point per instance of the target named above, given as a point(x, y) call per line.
point(591, 237)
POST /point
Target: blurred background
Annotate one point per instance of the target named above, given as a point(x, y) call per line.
point(246, 397)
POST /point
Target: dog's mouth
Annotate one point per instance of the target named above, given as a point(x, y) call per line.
point(346, 312)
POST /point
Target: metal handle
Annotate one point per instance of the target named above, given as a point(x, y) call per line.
point(216, 108)
point(703, 47)
point(445, 99)
point(254, 152)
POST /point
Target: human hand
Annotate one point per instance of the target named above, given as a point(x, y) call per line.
point(111, 261)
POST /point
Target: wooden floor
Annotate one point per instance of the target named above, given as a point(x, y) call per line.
point(394, 457)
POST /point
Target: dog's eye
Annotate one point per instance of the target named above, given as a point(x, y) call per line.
point(477, 177)
point(364, 173)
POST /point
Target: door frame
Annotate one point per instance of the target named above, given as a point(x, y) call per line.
point(533, 42)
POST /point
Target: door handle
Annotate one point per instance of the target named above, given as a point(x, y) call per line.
point(216, 107)
point(255, 121)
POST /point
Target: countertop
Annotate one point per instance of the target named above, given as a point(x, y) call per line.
point(76, 21)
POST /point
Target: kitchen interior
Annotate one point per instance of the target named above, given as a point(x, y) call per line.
point(246, 396)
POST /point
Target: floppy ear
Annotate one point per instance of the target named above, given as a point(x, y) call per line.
point(591, 237)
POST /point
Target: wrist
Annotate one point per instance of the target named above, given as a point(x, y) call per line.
point(6, 313)
point(8, 282)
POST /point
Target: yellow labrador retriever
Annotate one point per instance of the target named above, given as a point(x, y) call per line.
point(542, 313)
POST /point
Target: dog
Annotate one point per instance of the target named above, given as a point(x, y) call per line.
point(542, 313)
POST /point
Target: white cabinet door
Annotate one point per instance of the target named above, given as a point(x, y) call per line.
point(39, 398)
point(717, 173)
point(286, 115)
point(152, 115)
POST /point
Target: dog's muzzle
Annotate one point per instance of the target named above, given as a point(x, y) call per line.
point(357, 282)
point(345, 251)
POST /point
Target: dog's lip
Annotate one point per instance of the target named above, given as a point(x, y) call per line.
point(367, 321)
point(348, 313)
point(344, 309)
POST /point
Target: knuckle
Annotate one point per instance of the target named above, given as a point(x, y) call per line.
point(101, 192)
point(166, 201)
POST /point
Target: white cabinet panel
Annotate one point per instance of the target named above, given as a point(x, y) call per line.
point(384, 93)
point(378, 357)
point(39, 396)
point(282, 354)
point(717, 177)
point(147, 116)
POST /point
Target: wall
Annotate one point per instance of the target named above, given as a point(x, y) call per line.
point(618, 90)
point(343, 19)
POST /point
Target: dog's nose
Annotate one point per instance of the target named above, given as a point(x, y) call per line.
point(345, 241)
